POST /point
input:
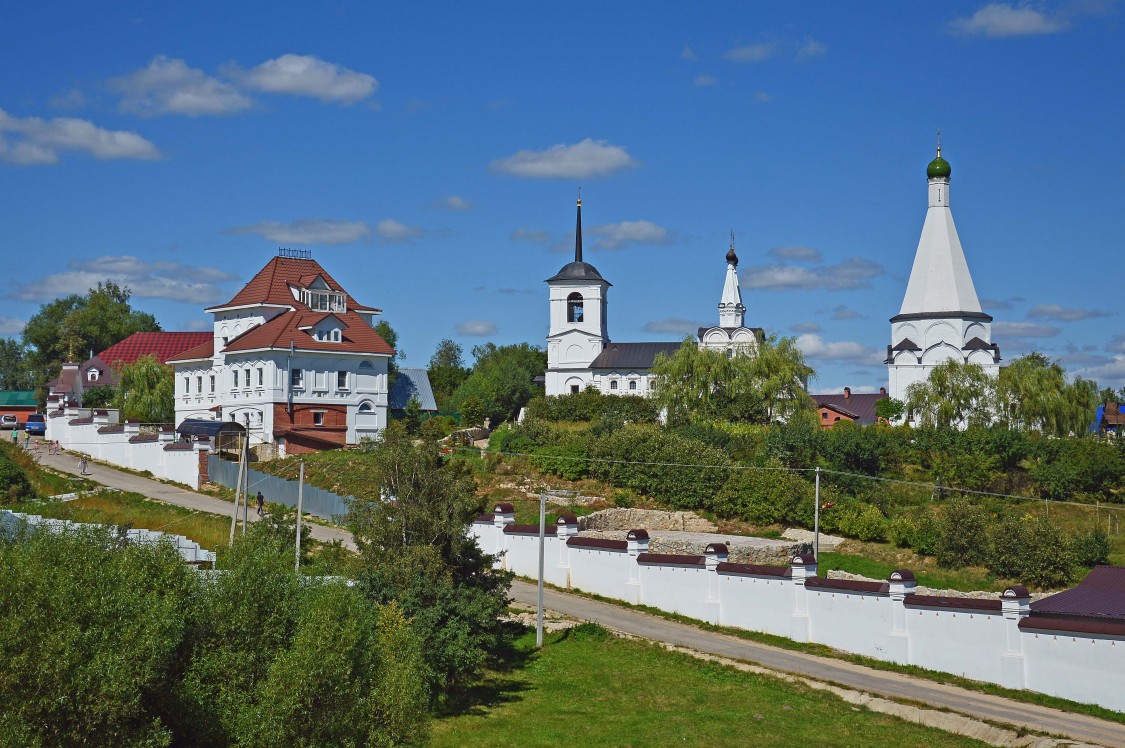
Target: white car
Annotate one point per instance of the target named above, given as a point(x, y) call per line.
point(8, 422)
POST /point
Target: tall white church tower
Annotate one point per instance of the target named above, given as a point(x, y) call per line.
point(578, 330)
point(941, 317)
point(731, 335)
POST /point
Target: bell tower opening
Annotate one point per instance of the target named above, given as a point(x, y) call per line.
point(574, 307)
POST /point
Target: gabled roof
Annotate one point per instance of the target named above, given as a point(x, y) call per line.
point(976, 344)
point(860, 406)
point(356, 337)
point(632, 355)
point(163, 345)
point(412, 383)
point(906, 345)
point(1101, 594)
point(206, 350)
point(271, 285)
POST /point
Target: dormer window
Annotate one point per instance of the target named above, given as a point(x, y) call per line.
point(324, 301)
point(92, 375)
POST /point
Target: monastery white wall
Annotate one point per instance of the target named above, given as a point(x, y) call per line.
point(989, 641)
point(97, 434)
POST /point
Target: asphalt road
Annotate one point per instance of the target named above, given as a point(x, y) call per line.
point(878, 682)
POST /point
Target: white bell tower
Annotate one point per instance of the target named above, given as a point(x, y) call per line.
point(578, 328)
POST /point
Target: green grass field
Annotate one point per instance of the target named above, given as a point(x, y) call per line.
point(209, 530)
point(589, 688)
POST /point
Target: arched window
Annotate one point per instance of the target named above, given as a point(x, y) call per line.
point(366, 365)
point(574, 307)
point(633, 384)
point(365, 407)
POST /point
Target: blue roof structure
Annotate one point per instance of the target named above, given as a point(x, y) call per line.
point(412, 383)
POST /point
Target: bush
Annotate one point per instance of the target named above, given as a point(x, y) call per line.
point(962, 534)
point(14, 483)
point(592, 405)
point(1048, 561)
point(795, 445)
point(1008, 540)
point(1091, 548)
point(565, 460)
point(862, 521)
point(1064, 467)
point(765, 497)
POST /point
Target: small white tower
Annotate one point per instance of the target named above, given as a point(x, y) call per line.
point(731, 335)
point(941, 317)
point(578, 330)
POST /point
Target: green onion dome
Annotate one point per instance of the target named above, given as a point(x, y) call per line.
point(938, 168)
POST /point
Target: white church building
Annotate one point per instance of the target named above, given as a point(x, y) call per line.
point(941, 318)
point(580, 353)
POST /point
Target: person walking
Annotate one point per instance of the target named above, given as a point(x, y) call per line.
point(261, 503)
point(82, 465)
point(26, 439)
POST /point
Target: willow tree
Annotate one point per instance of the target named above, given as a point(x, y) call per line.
point(762, 386)
point(1032, 394)
point(955, 393)
point(146, 390)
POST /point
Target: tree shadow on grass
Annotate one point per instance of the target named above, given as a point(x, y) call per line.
point(501, 682)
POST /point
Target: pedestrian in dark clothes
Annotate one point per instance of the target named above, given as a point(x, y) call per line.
point(261, 503)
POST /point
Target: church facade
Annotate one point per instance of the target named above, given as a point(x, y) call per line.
point(580, 353)
point(941, 318)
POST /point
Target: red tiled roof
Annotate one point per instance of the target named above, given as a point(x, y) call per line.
point(356, 337)
point(163, 345)
point(271, 284)
point(206, 350)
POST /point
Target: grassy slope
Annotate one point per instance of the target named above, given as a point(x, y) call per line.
point(589, 688)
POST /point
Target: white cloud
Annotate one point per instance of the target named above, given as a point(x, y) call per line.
point(842, 312)
point(530, 235)
point(705, 81)
point(1002, 19)
point(803, 327)
point(455, 202)
point(687, 53)
point(149, 280)
point(1024, 330)
point(476, 328)
point(1001, 303)
point(810, 48)
point(816, 347)
point(1109, 374)
point(848, 275)
point(619, 235)
point(750, 52)
point(674, 326)
point(796, 254)
point(308, 231)
point(169, 86)
point(587, 158)
point(394, 231)
point(71, 99)
point(31, 140)
point(1116, 344)
point(1064, 314)
point(308, 75)
point(11, 326)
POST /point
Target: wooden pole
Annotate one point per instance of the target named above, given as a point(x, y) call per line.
point(300, 501)
point(237, 492)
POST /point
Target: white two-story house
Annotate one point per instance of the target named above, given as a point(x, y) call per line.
point(294, 358)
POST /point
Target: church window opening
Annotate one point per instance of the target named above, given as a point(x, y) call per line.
point(574, 389)
point(633, 385)
point(613, 384)
point(574, 311)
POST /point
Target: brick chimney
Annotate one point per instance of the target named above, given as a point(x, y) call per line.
point(847, 392)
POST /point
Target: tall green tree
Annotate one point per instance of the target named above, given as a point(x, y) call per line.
point(72, 327)
point(955, 393)
point(388, 333)
point(763, 387)
point(1032, 394)
point(417, 552)
point(146, 390)
point(447, 371)
point(14, 372)
point(502, 379)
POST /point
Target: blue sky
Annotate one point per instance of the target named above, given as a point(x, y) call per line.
point(430, 154)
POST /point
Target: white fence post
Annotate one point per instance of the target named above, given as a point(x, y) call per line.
point(715, 554)
point(901, 583)
point(1015, 605)
point(802, 567)
point(637, 541)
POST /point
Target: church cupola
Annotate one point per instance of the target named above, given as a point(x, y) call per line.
point(731, 310)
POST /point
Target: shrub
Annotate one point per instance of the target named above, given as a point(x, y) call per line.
point(1048, 560)
point(765, 497)
point(900, 531)
point(1064, 467)
point(1008, 541)
point(796, 445)
point(863, 521)
point(592, 405)
point(1091, 548)
point(564, 460)
point(962, 534)
point(14, 484)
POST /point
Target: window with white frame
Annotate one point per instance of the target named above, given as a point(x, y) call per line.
point(632, 384)
point(248, 377)
point(613, 384)
point(235, 372)
point(212, 383)
point(187, 386)
point(199, 384)
point(318, 417)
point(297, 378)
point(341, 380)
point(261, 376)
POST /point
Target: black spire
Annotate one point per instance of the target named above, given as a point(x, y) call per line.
point(578, 234)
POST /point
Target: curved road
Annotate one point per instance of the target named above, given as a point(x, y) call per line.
point(878, 682)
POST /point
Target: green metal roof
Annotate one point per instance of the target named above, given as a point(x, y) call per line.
point(18, 398)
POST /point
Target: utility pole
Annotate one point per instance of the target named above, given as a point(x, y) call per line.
point(237, 492)
point(300, 501)
point(816, 520)
point(539, 605)
point(245, 481)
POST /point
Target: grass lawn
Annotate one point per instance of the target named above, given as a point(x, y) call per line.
point(878, 560)
point(589, 688)
point(209, 530)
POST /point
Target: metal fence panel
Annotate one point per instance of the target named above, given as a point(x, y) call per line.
point(316, 501)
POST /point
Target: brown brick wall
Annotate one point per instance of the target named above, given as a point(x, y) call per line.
point(334, 428)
